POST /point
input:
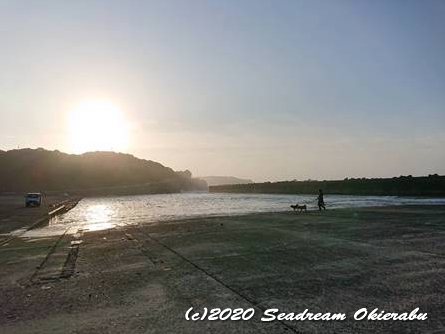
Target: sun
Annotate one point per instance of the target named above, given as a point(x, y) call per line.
point(96, 125)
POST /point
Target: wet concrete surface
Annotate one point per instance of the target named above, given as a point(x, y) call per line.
point(143, 278)
point(15, 216)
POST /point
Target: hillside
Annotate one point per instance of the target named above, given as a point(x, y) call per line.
point(431, 185)
point(90, 173)
point(223, 180)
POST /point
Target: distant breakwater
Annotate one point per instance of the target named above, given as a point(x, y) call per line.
point(431, 185)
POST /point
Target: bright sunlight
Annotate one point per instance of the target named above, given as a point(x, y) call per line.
point(97, 125)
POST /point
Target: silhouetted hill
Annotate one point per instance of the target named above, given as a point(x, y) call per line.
point(92, 173)
point(431, 185)
point(223, 180)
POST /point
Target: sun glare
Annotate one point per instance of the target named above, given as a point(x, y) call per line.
point(97, 125)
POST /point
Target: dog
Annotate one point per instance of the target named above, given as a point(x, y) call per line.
point(299, 207)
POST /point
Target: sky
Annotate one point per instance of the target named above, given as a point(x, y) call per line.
point(266, 90)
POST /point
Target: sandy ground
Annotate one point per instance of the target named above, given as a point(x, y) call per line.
point(143, 279)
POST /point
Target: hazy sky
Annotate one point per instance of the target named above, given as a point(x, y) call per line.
point(268, 90)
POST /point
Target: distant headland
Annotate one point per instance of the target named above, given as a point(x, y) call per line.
point(223, 180)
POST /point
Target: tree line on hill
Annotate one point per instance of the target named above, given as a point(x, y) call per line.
point(431, 185)
point(93, 173)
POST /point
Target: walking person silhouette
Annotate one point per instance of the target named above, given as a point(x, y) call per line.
point(320, 200)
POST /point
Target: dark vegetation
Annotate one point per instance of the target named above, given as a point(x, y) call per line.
point(431, 185)
point(93, 173)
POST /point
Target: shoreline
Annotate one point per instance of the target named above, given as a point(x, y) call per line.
point(37, 229)
point(39, 224)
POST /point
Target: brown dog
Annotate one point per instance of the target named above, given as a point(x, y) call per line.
point(299, 207)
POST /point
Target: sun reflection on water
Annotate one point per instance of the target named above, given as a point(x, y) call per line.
point(98, 217)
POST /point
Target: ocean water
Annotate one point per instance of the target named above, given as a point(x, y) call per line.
point(102, 213)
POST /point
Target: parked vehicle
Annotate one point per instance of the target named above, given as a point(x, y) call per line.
point(33, 199)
